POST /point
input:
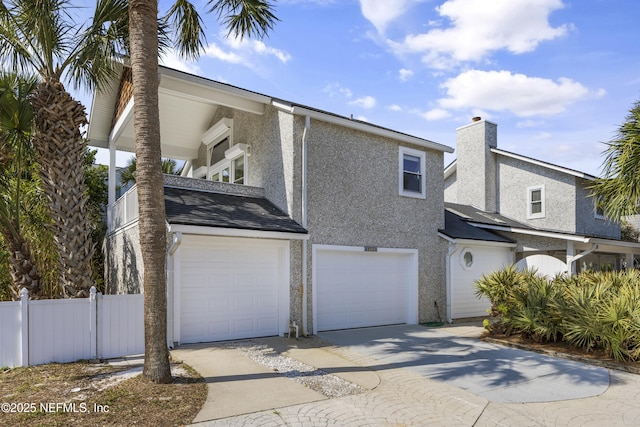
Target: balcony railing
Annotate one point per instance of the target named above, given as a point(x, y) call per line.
point(124, 210)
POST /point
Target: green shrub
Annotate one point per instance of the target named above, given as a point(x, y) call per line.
point(591, 310)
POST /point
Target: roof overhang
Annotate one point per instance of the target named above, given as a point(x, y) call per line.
point(360, 126)
point(544, 164)
point(604, 245)
point(473, 242)
point(450, 170)
point(187, 105)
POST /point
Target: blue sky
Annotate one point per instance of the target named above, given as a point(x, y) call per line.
point(557, 76)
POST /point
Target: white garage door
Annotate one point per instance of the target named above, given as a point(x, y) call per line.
point(467, 266)
point(354, 288)
point(232, 288)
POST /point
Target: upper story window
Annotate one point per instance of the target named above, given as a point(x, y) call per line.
point(535, 202)
point(598, 210)
point(226, 161)
point(228, 164)
point(412, 179)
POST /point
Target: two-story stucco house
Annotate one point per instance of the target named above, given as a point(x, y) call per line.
point(503, 208)
point(283, 213)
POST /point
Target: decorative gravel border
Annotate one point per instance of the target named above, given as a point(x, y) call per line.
point(316, 379)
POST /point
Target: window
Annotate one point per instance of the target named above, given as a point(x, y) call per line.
point(467, 259)
point(412, 180)
point(228, 164)
point(535, 202)
point(598, 210)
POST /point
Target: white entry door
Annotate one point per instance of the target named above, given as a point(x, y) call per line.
point(355, 288)
point(232, 288)
point(468, 265)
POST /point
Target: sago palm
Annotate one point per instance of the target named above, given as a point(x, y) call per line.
point(41, 36)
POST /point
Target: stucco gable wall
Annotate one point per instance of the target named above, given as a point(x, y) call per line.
point(272, 162)
point(587, 223)
point(451, 189)
point(353, 200)
point(515, 176)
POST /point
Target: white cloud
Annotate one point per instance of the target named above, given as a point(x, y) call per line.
point(404, 74)
point(529, 123)
point(394, 107)
point(216, 52)
point(172, 60)
point(366, 102)
point(478, 28)
point(336, 89)
point(503, 91)
point(250, 47)
point(435, 114)
point(382, 12)
point(542, 136)
point(244, 52)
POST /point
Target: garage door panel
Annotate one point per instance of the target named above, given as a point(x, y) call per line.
point(230, 288)
point(358, 289)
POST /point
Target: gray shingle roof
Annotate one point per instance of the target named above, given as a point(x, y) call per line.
point(456, 224)
point(193, 207)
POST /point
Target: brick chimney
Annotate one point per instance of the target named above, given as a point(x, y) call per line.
point(475, 164)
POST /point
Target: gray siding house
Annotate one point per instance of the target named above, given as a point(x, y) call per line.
point(283, 214)
point(537, 215)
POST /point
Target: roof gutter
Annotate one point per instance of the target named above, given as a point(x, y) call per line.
point(472, 242)
point(571, 237)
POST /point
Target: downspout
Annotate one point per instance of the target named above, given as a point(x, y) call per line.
point(111, 185)
point(453, 247)
point(176, 240)
point(575, 258)
point(307, 126)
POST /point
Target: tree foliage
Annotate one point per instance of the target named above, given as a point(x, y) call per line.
point(592, 311)
point(618, 191)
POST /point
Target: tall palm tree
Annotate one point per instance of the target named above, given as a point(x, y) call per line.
point(16, 126)
point(242, 17)
point(41, 36)
point(618, 191)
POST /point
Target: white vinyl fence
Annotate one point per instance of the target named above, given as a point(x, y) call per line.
point(65, 330)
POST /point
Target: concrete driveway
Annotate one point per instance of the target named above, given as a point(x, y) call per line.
point(412, 375)
point(497, 373)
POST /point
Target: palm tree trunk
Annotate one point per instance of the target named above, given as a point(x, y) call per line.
point(143, 37)
point(60, 151)
point(22, 266)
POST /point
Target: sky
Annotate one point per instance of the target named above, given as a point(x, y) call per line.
point(557, 76)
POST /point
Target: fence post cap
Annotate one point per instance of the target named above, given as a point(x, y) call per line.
point(24, 293)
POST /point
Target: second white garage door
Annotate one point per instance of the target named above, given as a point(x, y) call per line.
point(232, 288)
point(354, 288)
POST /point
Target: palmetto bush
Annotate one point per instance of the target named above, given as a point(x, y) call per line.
point(592, 311)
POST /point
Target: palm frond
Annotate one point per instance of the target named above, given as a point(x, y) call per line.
point(91, 63)
point(618, 192)
point(252, 18)
point(185, 20)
